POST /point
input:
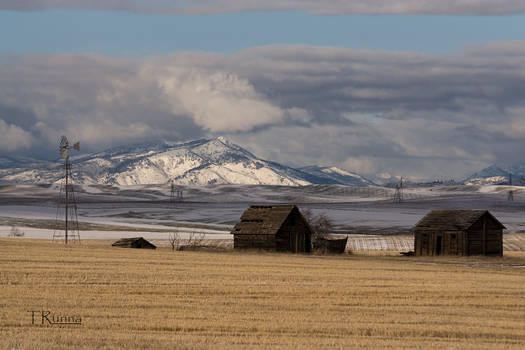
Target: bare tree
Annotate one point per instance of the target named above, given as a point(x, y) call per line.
point(16, 232)
point(308, 215)
point(174, 240)
point(321, 226)
point(195, 239)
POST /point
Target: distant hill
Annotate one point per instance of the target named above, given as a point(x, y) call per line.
point(200, 162)
point(495, 175)
point(333, 175)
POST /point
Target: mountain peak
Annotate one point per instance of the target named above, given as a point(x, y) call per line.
point(199, 162)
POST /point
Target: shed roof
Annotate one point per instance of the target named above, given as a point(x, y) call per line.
point(453, 220)
point(135, 242)
point(263, 219)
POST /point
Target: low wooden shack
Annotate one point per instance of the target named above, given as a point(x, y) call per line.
point(136, 242)
point(273, 227)
point(458, 232)
point(330, 245)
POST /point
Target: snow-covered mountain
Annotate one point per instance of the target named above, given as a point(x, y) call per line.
point(495, 175)
point(201, 162)
point(333, 175)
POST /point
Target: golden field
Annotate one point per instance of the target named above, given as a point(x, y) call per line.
point(142, 299)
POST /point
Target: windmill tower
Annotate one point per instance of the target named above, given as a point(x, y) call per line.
point(398, 195)
point(67, 203)
point(510, 196)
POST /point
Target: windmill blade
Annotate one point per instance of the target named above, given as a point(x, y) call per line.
point(76, 146)
point(64, 147)
point(64, 143)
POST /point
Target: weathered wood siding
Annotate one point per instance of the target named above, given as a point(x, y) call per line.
point(278, 228)
point(450, 243)
point(325, 245)
point(458, 232)
point(266, 242)
point(485, 238)
point(294, 235)
point(471, 242)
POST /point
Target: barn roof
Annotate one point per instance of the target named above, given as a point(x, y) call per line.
point(135, 242)
point(453, 219)
point(263, 219)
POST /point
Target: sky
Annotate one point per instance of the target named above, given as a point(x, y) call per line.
point(422, 89)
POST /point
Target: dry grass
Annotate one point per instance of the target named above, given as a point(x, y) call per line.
point(164, 300)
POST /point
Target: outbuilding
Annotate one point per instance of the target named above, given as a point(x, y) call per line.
point(273, 227)
point(458, 232)
point(135, 242)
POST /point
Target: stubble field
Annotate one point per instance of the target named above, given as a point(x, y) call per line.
point(129, 298)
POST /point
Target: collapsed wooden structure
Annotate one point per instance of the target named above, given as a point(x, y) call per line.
point(136, 242)
point(329, 245)
point(458, 232)
point(273, 227)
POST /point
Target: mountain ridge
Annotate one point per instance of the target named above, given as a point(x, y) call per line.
point(202, 162)
point(197, 162)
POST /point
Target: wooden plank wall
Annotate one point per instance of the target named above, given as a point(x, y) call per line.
point(294, 235)
point(485, 238)
point(266, 242)
point(452, 243)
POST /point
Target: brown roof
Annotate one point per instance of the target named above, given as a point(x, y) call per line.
point(453, 219)
point(263, 219)
point(135, 242)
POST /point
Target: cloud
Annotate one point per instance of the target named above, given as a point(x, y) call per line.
point(312, 6)
point(106, 101)
point(430, 116)
point(12, 137)
point(218, 101)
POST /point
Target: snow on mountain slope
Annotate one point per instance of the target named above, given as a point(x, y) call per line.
point(335, 175)
point(200, 162)
point(492, 175)
point(495, 175)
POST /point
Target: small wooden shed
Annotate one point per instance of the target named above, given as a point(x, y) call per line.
point(330, 245)
point(458, 232)
point(273, 227)
point(136, 242)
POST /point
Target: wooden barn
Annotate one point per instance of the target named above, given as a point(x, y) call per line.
point(136, 242)
point(458, 232)
point(273, 227)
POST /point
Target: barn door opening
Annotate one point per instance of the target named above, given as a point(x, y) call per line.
point(439, 244)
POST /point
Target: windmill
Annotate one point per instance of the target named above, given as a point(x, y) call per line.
point(510, 196)
point(67, 200)
point(398, 195)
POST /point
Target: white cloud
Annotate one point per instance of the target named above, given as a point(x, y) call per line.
point(217, 101)
point(311, 6)
point(13, 138)
point(430, 115)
